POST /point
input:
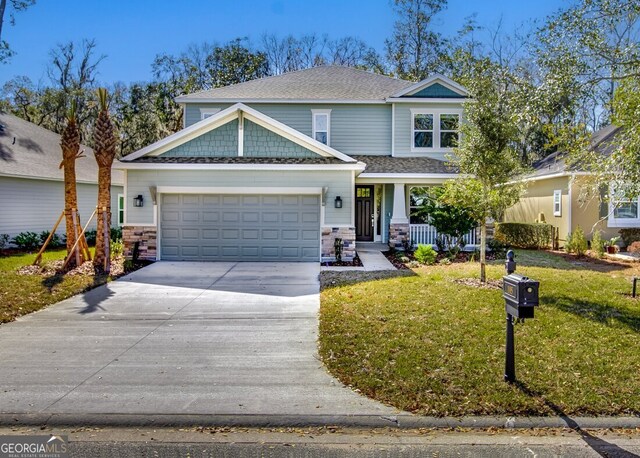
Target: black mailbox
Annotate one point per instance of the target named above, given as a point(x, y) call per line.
point(520, 294)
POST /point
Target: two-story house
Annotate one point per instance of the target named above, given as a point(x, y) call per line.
point(278, 168)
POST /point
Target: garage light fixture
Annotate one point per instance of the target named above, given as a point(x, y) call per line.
point(338, 202)
point(138, 201)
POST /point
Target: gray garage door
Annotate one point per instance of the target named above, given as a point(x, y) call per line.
point(240, 227)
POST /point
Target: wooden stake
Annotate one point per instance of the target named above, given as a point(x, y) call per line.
point(74, 216)
point(66, 261)
point(46, 243)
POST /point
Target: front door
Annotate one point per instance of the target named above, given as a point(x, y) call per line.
point(364, 213)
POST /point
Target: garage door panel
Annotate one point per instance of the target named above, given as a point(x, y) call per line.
point(240, 227)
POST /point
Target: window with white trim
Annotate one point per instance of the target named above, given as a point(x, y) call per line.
point(623, 211)
point(557, 202)
point(434, 129)
point(322, 126)
point(208, 112)
point(120, 209)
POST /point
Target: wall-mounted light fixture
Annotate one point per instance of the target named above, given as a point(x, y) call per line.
point(138, 201)
point(338, 202)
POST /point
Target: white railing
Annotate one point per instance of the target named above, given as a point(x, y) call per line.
point(425, 234)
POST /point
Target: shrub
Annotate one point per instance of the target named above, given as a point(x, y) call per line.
point(577, 242)
point(90, 236)
point(55, 242)
point(4, 240)
point(498, 248)
point(115, 234)
point(630, 235)
point(27, 241)
point(117, 248)
point(634, 247)
point(597, 244)
point(425, 254)
point(524, 235)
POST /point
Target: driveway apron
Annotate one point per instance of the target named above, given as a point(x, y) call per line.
point(179, 338)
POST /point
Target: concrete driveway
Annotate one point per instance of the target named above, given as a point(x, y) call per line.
point(226, 339)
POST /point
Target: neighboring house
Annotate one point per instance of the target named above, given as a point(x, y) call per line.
point(31, 180)
point(278, 168)
point(556, 191)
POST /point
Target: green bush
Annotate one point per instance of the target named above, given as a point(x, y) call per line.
point(55, 242)
point(27, 241)
point(597, 244)
point(498, 248)
point(117, 248)
point(425, 254)
point(90, 236)
point(630, 235)
point(524, 235)
point(116, 234)
point(4, 240)
point(576, 242)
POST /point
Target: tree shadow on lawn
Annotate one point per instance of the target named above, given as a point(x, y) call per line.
point(332, 279)
point(564, 261)
point(598, 445)
point(597, 312)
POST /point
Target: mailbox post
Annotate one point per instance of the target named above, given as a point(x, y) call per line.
point(521, 296)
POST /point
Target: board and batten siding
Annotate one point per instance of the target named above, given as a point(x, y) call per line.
point(402, 127)
point(355, 129)
point(35, 205)
point(339, 184)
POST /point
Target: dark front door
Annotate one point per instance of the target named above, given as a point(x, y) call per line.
point(364, 213)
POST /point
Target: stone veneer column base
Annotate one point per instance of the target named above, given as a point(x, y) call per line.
point(146, 235)
point(398, 234)
point(330, 234)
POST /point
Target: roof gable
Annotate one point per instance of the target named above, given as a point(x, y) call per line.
point(436, 86)
point(184, 140)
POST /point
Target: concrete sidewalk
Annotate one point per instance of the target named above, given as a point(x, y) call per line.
point(236, 340)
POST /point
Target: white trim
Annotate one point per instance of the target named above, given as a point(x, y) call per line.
point(207, 112)
point(187, 99)
point(612, 221)
point(384, 214)
point(357, 166)
point(393, 129)
point(570, 209)
point(430, 81)
point(550, 176)
point(425, 100)
point(336, 225)
point(557, 194)
point(353, 199)
point(228, 115)
point(60, 180)
point(121, 196)
point(326, 112)
point(436, 113)
point(239, 190)
point(240, 134)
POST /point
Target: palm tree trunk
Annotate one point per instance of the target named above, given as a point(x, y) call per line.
point(104, 205)
point(71, 211)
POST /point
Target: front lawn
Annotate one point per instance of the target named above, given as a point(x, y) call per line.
point(22, 294)
point(425, 343)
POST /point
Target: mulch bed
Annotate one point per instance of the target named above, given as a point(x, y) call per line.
point(476, 283)
point(51, 268)
point(355, 263)
point(463, 256)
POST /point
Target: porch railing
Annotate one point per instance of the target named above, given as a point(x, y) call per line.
point(425, 234)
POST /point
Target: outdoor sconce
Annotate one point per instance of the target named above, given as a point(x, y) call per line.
point(138, 201)
point(338, 202)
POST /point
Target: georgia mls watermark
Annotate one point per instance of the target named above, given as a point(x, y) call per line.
point(34, 447)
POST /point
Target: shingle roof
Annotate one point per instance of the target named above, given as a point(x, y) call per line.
point(234, 160)
point(602, 142)
point(410, 165)
point(317, 83)
point(28, 150)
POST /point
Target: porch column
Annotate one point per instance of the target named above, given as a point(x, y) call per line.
point(399, 224)
point(399, 215)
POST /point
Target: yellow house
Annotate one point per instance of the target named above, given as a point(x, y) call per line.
point(555, 193)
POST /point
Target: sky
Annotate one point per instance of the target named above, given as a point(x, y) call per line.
point(132, 32)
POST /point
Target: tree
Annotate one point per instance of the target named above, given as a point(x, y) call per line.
point(235, 63)
point(414, 49)
point(453, 222)
point(16, 6)
point(105, 151)
point(70, 144)
point(486, 156)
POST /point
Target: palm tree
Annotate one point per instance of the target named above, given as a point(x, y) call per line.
point(105, 151)
point(70, 144)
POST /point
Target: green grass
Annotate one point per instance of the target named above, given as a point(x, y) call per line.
point(22, 294)
point(426, 344)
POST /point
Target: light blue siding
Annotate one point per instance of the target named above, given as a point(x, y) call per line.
point(436, 90)
point(220, 142)
point(35, 205)
point(355, 129)
point(260, 142)
point(338, 183)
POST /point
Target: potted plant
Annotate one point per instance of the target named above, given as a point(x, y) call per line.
point(611, 246)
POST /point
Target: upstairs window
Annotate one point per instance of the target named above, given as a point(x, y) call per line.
point(321, 125)
point(208, 112)
point(431, 130)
